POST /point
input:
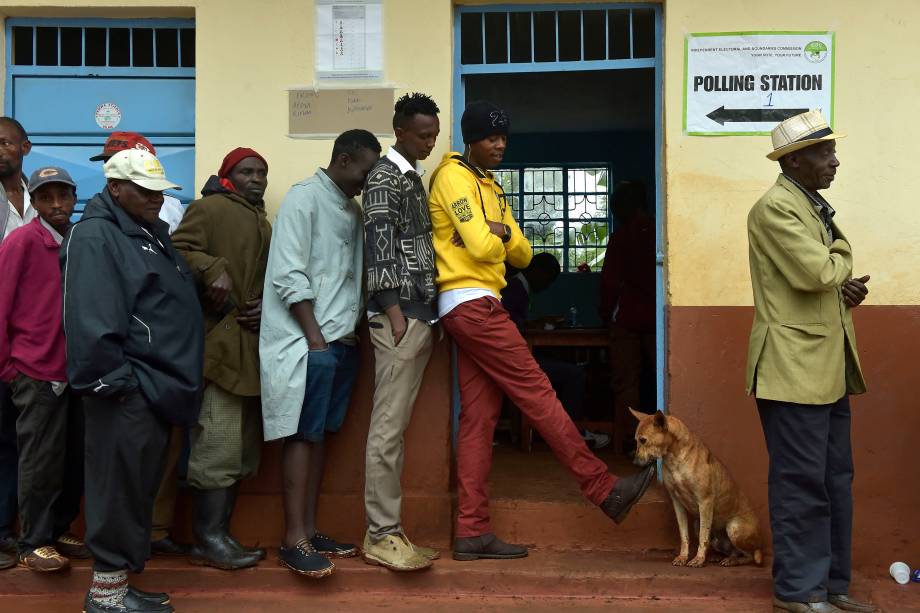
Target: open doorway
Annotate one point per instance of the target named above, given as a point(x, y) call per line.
point(582, 87)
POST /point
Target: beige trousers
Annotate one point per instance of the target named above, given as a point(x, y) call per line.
point(398, 376)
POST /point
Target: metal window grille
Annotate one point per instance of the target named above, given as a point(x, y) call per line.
point(561, 209)
point(92, 46)
point(552, 36)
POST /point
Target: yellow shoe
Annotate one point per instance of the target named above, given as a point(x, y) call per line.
point(427, 552)
point(394, 551)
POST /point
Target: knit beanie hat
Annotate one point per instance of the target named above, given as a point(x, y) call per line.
point(481, 120)
point(232, 159)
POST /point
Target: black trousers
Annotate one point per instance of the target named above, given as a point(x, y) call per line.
point(9, 463)
point(810, 494)
point(49, 435)
point(126, 445)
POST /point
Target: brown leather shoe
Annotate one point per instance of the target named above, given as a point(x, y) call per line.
point(44, 560)
point(845, 603)
point(626, 493)
point(803, 607)
point(487, 546)
point(70, 546)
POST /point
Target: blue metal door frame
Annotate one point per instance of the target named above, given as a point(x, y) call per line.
point(656, 63)
point(62, 130)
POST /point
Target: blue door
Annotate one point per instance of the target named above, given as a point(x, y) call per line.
point(71, 83)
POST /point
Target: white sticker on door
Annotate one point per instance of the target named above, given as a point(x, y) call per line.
point(108, 115)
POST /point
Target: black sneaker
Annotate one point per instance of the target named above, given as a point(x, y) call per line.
point(303, 559)
point(331, 548)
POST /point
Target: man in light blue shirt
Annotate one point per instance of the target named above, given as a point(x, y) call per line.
point(312, 303)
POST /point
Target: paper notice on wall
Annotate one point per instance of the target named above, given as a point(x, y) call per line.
point(326, 113)
point(740, 83)
point(349, 39)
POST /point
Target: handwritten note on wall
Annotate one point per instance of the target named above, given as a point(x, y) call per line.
point(329, 112)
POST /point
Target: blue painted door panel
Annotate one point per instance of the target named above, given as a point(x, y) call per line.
point(67, 105)
point(177, 159)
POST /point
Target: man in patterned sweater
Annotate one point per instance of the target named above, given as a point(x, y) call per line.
point(401, 310)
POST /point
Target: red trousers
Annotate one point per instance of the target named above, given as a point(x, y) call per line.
point(493, 361)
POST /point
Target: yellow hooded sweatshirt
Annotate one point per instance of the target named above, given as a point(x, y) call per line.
point(462, 198)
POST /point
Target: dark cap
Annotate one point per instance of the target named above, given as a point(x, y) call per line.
point(119, 141)
point(481, 120)
point(49, 174)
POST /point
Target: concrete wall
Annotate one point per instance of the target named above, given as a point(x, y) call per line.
point(711, 185)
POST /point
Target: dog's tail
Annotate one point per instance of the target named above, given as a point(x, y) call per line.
point(758, 557)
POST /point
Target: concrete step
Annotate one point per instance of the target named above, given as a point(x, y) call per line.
point(568, 580)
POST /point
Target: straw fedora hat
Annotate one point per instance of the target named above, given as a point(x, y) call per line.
point(798, 132)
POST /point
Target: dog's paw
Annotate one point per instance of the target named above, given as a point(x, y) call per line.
point(697, 562)
point(680, 561)
point(728, 561)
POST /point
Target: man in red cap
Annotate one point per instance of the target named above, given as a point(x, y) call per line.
point(172, 209)
point(164, 507)
point(224, 237)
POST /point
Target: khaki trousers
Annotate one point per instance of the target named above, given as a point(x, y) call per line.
point(164, 507)
point(398, 376)
point(226, 443)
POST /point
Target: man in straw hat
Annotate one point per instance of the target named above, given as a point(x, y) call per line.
point(135, 349)
point(802, 366)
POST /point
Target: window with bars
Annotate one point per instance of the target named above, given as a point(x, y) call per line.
point(561, 209)
point(153, 47)
point(508, 37)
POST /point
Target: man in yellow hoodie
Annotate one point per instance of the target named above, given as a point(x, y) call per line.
point(474, 235)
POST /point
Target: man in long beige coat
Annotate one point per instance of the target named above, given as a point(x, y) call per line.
point(802, 366)
point(225, 237)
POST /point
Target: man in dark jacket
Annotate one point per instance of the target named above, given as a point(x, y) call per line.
point(135, 346)
point(224, 237)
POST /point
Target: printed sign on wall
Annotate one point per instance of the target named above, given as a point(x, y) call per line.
point(741, 83)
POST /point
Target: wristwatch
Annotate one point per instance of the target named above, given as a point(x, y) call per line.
point(507, 235)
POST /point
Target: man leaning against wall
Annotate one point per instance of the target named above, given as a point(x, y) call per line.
point(224, 237)
point(802, 367)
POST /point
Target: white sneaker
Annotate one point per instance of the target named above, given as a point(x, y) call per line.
point(596, 440)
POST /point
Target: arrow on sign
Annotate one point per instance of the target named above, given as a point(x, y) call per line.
point(722, 114)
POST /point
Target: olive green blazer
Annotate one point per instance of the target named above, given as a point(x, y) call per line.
point(803, 346)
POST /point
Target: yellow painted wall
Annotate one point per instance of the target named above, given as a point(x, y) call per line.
point(249, 52)
point(713, 182)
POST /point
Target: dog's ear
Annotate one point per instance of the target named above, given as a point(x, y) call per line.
point(661, 421)
point(637, 414)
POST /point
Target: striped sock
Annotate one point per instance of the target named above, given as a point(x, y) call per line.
point(109, 589)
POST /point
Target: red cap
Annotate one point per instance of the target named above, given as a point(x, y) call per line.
point(119, 141)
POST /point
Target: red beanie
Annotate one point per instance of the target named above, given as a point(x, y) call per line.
point(235, 157)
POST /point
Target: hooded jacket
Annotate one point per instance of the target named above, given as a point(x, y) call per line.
point(224, 232)
point(132, 319)
point(462, 199)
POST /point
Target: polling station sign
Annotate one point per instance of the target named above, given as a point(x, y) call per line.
point(743, 83)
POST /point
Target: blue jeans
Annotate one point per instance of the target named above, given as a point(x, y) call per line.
point(331, 377)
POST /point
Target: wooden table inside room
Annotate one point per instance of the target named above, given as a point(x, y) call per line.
point(559, 337)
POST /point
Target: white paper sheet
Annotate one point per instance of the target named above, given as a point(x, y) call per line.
point(349, 39)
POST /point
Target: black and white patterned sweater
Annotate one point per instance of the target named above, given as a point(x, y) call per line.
point(397, 242)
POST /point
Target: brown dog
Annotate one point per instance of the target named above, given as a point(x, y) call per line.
point(699, 483)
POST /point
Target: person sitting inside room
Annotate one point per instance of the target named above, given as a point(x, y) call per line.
point(567, 379)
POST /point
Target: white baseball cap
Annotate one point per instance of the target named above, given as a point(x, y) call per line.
point(140, 167)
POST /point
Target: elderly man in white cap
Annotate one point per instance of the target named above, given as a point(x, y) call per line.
point(802, 367)
point(135, 350)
